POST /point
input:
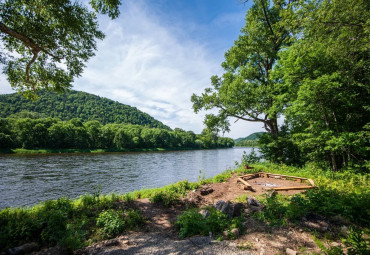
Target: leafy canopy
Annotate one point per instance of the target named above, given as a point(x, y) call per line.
point(46, 43)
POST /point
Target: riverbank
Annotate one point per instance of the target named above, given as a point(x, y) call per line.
point(57, 151)
point(340, 202)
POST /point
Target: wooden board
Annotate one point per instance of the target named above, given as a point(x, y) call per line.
point(287, 176)
point(312, 183)
point(246, 184)
point(293, 188)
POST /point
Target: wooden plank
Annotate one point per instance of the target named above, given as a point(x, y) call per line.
point(246, 184)
point(293, 188)
point(299, 180)
point(312, 183)
point(249, 175)
point(287, 176)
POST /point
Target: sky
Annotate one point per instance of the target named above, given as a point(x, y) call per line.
point(158, 53)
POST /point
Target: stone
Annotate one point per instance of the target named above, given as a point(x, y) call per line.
point(228, 208)
point(24, 249)
point(238, 208)
point(235, 232)
point(319, 225)
point(335, 244)
point(219, 204)
point(205, 213)
point(252, 201)
point(206, 190)
point(289, 251)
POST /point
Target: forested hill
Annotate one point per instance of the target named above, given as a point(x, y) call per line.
point(76, 104)
point(251, 137)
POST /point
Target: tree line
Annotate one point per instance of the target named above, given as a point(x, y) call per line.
point(52, 133)
point(307, 62)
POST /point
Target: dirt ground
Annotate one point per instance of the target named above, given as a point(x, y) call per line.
point(159, 236)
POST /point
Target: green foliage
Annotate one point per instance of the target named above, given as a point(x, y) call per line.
point(355, 242)
point(170, 194)
point(222, 177)
point(345, 193)
point(111, 222)
point(38, 36)
point(191, 223)
point(133, 219)
point(162, 197)
point(246, 90)
point(76, 104)
point(250, 158)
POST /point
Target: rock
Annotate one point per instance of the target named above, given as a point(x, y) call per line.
point(24, 249)
point(321, 226)
point(194, 199)
point(335, 244)
point(254, 209)
point(235, 232)
point(290, 251)
point(344, 229)
point(111, 242)
point(204, 213)
point(228, 208)
point(252, 201)
point(238, 208)
point(206, 190)
point(219, 204)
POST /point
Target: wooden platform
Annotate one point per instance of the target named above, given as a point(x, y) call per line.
point(247, 186)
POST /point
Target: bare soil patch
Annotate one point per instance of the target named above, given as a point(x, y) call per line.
point(160, 237)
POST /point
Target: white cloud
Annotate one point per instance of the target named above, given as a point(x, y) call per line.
point(142, 64)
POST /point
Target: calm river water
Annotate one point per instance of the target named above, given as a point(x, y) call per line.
point(28, 179)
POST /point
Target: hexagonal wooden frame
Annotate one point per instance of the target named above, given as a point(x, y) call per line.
point(243, 179)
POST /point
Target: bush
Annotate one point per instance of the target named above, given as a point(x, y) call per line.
point(133, 219)
point(111, 222)
point(191, 223)
point(165, 198)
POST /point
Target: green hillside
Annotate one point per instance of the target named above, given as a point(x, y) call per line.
point(251, 137)
point(76, 104)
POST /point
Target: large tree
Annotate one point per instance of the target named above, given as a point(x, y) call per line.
point(46, 43)
point(327, 75)
point(246, 90)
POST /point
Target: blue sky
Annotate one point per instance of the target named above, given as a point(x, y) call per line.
point(158, 53)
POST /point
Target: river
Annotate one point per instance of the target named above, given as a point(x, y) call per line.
point(28, 179)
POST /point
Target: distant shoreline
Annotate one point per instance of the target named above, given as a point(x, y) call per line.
point(72, 151)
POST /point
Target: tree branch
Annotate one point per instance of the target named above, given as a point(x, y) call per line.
point(266, 18)
point(27, 41)
point(35, 53)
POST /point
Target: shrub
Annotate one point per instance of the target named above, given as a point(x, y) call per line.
point(191, 223)
point(165, 198)
point(133, 219)
point(111, 222)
